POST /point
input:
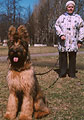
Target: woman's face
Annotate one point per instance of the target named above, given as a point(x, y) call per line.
point(70, 8)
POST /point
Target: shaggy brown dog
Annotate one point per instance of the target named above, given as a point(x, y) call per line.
point(23, 85)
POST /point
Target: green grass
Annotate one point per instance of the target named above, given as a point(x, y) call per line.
point(65, 98)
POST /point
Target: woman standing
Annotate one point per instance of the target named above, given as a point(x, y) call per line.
point(70, 29)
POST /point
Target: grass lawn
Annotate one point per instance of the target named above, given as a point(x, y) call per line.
point(65, 98)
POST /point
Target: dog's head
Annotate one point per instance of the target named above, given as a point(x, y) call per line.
point(18, 53)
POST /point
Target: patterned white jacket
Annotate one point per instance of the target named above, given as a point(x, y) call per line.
point(72, 27)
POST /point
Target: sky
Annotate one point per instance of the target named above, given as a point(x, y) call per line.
point(27, 3)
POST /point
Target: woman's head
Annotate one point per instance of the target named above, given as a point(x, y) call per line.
point(70, 6)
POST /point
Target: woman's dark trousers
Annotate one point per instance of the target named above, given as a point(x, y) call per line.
point(63, 64)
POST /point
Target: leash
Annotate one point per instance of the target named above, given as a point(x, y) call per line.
point(48, 72)
point(52, 84)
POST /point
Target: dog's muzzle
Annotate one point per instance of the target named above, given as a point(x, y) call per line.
point(17, 55)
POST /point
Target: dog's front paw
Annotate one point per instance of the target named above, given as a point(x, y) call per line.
point(9, 116)
point(24, 117)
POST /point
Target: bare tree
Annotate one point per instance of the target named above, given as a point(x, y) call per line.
point(45, 15)
point(8, 15)
point(80, 7)
point(30, 25)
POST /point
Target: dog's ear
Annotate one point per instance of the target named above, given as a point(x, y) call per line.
point(22, 32)
point(11, 32)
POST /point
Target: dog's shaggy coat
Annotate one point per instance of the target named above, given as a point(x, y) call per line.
point(25, 93)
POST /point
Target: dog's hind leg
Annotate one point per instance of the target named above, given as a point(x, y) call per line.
point(41, 109)
point(27, 108)
point(12, 106)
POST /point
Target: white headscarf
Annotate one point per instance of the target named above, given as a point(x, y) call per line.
point(70, 2)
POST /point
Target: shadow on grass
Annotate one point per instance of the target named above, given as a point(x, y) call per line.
point(44, 64)
point(54, 66)
point(80, 66)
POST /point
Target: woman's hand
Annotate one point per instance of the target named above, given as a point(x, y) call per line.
point(63, 37)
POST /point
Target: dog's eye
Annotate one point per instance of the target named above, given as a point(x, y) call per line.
point(19, 53)
point(11, 53)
